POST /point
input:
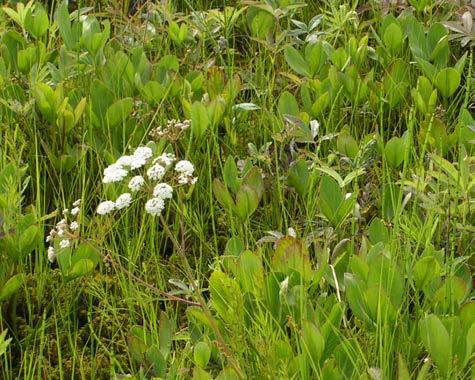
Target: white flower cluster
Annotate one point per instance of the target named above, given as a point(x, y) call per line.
point(64, 230)
point(154, 169)
point(185, 171)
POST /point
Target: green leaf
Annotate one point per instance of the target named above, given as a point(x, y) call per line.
point(230, 175)
point(355, 297)
point(119, 111)
point(347, 145)
point(247, 200)
point(292, 255)
point(331, 197)
point(228, 374)
point(359, 267)
point(80, 268)
point(253, 179)
point(157, 361)
point(200, 374)
point(11, 286)
point(153, 92)
point(321, 104)
point(402, 371)
point(378, 305)
point(68, 35)
point(288, 104)
point(436, 340)
point(378, 232)
point(298, 177)
point(222, 195)
point(393, 37)
point(394, 151)
point(447, 81)
point(28, 240)
point(4, 343)
point(313, 342)
point(451, 294)
point(201, 354)
point(296, 61)
point(315, 57)
point(199, 119)
point(226, 297)
point(37, 22)
point(391, 195)
point(425, 270)
point(165, 334)
point(260, 22)
point(250, 272)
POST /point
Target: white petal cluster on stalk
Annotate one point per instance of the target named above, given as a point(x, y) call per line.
point(143, 152)
point(123, 201)
point(149, 179)
point(165, 159)
point(64, 243)
point(74, 226)
point(155, 206)
point(51, 254)
point(163, 190)
point(156, 172)
point(136, 183)
point(185, 170)
point(105, 207)
point(64, 231)
point(114, 173)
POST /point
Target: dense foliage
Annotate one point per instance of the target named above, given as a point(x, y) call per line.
point(262, 189)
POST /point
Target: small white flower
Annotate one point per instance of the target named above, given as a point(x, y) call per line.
point(185, 171)
point(60, 232)
point(155, 206)
point(114, 173)
point(137, 162)
point(144, 152)
point(64, 243)
point(156, 172)
point(62, 224)
point(123, 201)
point(184, 167)
point(51, 235)
point(165, 159)
point(125, 161)
point(74, 226)
point(75, 211)
point(51, 255)
point(136, 183)
point(77, 202)
point(105, 207)
point(291, 232)
point(66, 211)
point(163, 190)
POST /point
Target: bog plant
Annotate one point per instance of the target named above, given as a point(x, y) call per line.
point(330, 233)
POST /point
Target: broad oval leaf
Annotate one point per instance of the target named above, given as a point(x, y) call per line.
point(447, 81)
point(296, 61)
point(11, 286)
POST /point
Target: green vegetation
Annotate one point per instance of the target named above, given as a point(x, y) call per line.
point(259, 189)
